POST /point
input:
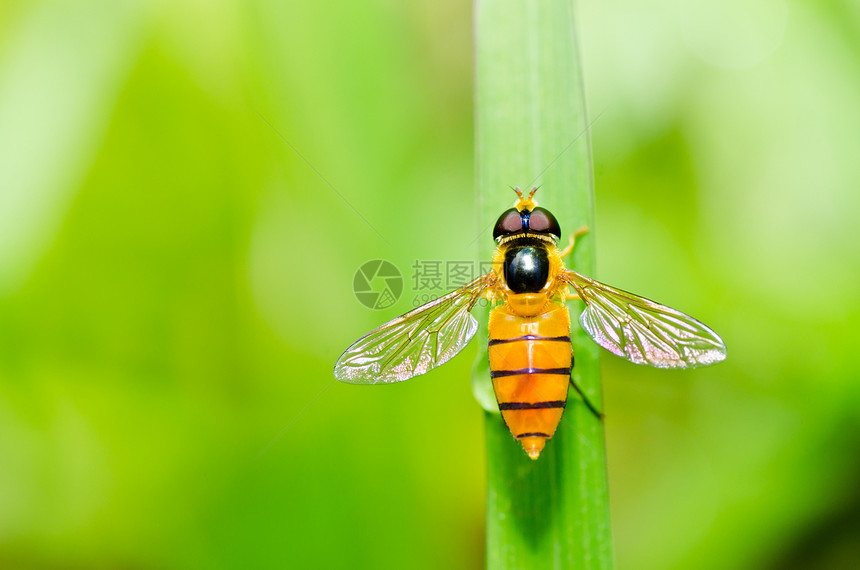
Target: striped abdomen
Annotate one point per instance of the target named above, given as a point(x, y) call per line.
point(530, 361)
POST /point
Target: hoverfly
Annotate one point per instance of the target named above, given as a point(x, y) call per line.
point(529, 328)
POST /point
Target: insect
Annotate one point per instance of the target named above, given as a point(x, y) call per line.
point(529, 328)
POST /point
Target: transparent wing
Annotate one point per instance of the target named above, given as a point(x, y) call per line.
point(642, 331)
point(416, 342)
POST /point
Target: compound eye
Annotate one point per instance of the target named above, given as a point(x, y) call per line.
point(542, 221)
point(509, 222)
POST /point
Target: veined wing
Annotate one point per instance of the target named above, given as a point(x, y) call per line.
point(642, 331)
point(416, 342)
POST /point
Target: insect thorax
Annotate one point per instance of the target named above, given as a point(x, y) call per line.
point(527, 267)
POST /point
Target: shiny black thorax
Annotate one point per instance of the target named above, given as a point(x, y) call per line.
point(526, 265)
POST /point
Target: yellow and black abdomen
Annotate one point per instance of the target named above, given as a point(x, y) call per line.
point(530, 361)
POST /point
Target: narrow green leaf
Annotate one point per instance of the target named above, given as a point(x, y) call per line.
point(532, 129)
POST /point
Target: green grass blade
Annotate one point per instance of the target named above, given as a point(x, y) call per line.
point(532, 129)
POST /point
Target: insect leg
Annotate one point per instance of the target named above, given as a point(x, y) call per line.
point(585, 400)
point(572, 242)
point(567, 295)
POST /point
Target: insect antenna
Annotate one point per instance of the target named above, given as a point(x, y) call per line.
point(525, 202)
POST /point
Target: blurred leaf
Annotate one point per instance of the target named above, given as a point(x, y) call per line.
point(59, 85)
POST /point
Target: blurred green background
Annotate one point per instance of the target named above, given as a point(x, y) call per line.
point(176, 281)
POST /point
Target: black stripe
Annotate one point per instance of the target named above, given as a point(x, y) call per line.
point(500, 373)
point(527, 406)
point(528, 337)
point(533, 434)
